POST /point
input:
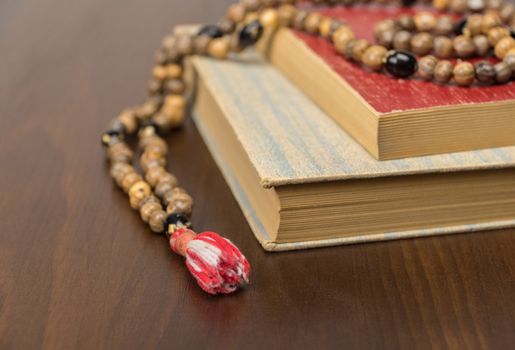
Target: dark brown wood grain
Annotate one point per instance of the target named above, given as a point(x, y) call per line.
point(79, 270)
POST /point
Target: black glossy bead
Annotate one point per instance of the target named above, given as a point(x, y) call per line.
point(408, 3)
point(460, 25)
point(401, 64)
point(512, 33)
point(250, 34)
point(177, 220)
point(211, 30)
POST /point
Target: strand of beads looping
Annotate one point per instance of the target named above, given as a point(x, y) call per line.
point(217, 265)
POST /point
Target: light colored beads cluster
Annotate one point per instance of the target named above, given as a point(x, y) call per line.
point(425, 33)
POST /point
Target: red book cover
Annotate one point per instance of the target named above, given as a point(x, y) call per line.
point(386, 94)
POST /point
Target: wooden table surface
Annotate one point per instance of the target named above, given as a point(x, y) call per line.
point(79, 270)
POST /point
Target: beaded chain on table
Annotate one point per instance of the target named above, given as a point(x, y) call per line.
point(217, 265)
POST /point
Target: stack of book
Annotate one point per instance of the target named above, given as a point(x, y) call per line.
point(302, 141)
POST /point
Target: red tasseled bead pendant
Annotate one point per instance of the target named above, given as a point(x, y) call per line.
point(218, 265)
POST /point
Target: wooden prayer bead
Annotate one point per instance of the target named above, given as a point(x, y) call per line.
point(157, 221)
point(172, 55)
point(373, 57)
point(169, 196)
point(476, 5)
point(269, 3)
point(129, 180)
point(312, 22)
point(269, 19)
point(150, 199)
point(424, 21)
point(119, 170)
point(175, 101)
point(341, 38)
point(201, 43)
point(174, 117)
point(128, 120)
point(509, 60)
point(163, 122)
point(349, 48)
point(178, 201)
point(485, 72)
point(152, 140)
point(458, 6)
point(160, 58)
point(443, 47)
point(503, 46)
point(119, 152)
point(496, 34)
point(151, 159)
point(406, 22)
point(493, 4)
point(184, 45)
point(138, 192)
point(164, 186)
point(174, 86)
point(226, 26)
point(251, 5)
point(388, 24)
point(402, 40)
point(443, 71)
point(335, 25)
point(155, 86)
point(503, 72)
point(299, 19)
point(168, 42)
point(422, 43)
point(146, 110)
point(236, 12)
point(286, 14)
point(481, 44)
point(179, 207)
point(153, 175)
point(147, 209)
point(490, 20)
point(474, 25)
point(463, 46)
point(464, 73)
point(159, 72)
point(359, 48)
point(158, 147)
point(444, 25)
point(386, 38)
point(426, 67)
point(218, 48)
point(440, 4)
point(324, 28)
point(166, 178)
point(173, 71)
point(507, 12)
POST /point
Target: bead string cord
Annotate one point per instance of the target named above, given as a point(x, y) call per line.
point(217, 265)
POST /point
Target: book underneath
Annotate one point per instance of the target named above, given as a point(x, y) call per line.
point(303, 182)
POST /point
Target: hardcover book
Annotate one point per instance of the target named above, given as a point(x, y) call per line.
point(392, 118)
point(303, 182)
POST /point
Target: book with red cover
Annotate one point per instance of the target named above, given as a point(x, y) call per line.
point(393, 118)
